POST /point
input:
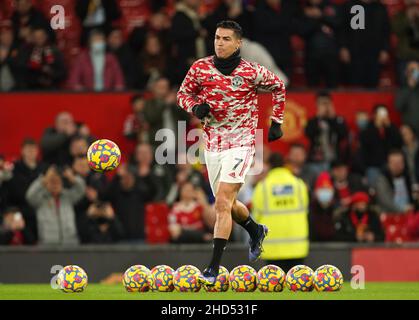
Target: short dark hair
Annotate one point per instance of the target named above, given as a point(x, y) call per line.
point(323, 94)
point(276, 160)
point(29, 142)
point(136, 97)
point(232, 25)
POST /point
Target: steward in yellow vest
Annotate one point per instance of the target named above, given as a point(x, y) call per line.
point(281, 201)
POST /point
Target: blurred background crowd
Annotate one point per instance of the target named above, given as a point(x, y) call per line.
point(358, 178)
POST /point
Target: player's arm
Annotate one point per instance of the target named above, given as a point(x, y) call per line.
point(268, 80)
point(187, 97)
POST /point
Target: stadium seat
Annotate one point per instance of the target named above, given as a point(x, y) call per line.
point(395, 227)
point(156, 223)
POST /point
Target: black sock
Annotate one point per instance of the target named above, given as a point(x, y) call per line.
point(219, 246)
point(251, 227)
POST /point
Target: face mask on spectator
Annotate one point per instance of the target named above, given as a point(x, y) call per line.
point(362, 123)
point(98, 47)
point(324, 195)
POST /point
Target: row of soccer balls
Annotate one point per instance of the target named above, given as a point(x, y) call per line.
point(243, 278)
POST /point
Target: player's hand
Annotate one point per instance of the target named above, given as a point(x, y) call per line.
point(201, 110)
point(275, 132)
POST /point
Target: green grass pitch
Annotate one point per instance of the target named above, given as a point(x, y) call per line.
point(373, 290)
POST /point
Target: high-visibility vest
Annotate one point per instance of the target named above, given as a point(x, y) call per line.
point(281, 201)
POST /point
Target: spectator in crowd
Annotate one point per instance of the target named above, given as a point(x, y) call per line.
point(228, 10)
point(54, 205)
point(322, 209)
point(13, 230)
point(393, 186)
point(6, 173)
point(96, 184)
point(186, 219)
point(327, 134)
point(95, 69)
point(153, 61)
point(364, 52)
point(411, 152)
point(55, 142)
point(362, 119)
point(103, 226)
point(135, 126)
point(296, 162)
point(185, 172)
point(360, 222)
point(158, 24)
point(41, 64)
point(8, 61)
point(187, 35)
point(125, 56)
point(26, 17)
point(405, 25)
point(25, 171)
point(321, 26)
point(78, 147)
point(345, 183)
point(407, 97)
point(274, 21)
point(161, 111)
point(281, 202)
point(161, 175)
point(96, 14)
point(380, 136)
point(128, 195)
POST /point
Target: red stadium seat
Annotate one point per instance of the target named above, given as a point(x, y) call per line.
point(395, 227)
point(156, 223)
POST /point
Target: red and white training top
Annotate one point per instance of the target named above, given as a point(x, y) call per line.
point(233, 101)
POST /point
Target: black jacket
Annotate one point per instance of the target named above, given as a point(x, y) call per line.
point(338, 133)
point(374, 147)
point(129, 205)
point(376, 35)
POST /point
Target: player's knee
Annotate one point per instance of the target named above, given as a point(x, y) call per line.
point(222, 206)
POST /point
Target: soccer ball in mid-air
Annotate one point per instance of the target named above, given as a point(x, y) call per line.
point(328, 278)
point(271, 278)
point(72, 279)
point(162, 278)
point(300, 278)
point(221, 283)
point(103, 155)
point(243, 279)
point(185, 279)
point(137, 279)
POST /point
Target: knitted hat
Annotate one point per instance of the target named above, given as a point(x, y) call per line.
point(323, 181)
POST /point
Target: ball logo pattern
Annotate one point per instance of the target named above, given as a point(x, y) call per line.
point(328, 278)
point(72, 279)
point(300, 278)
point(185, 279)
point(243, 279)
point(271, 278)
point(221, 283)
point(162, 278)
point(103, 155)
point(137, 279)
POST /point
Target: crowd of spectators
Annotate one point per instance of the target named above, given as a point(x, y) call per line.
point(51, 196)
point(176, 34)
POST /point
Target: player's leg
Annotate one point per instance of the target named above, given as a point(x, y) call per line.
point(257, 232)
point(224, 199)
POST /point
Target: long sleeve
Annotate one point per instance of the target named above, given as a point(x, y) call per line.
point(36, 193)
point(76, 192)
point(187, 96)
point(268, 80)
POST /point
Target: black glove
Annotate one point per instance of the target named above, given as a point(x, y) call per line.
point(201, 110)
point(275, 132)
